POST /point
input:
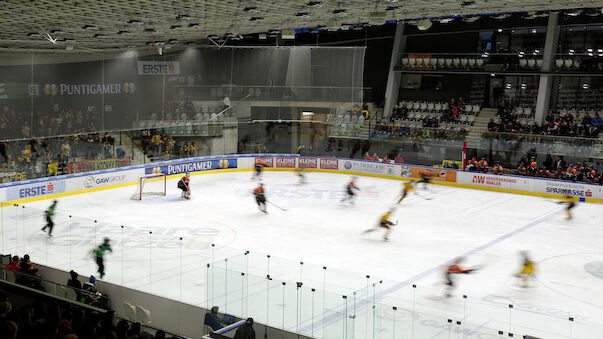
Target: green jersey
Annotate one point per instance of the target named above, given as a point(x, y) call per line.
point(101, 249)
point(50, 211)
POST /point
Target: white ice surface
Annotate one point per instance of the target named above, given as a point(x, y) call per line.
point(488, 228)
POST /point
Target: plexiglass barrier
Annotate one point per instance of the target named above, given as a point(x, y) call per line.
point(296, 296)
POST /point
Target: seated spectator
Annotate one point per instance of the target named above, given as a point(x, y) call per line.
point(549, 117)
point(491, 126)
point(596, 120)
point(13, 265)
point(395, 113)
point(212, 320)
point(367, 156)
point(27, 267)
point(375, 157)
point(548, 162)
point(246, 331)
point(403, 112)
point(398, 159)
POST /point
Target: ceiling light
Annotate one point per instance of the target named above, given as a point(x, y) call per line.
point(424, 25)
point(251, 9)
point(600, 50)
point(315, 4)
point(183, 17)
point(536, 51)
point(472, 18)
point(524, 86)
point(492, 74)
point(499, 30)
point(574, 12)
point(89, 27)
point(501, 16)
point(533, 30)
point(134, 22)
point(307, 113)
point(590, 50)
point(508, 86)
point(585, 86)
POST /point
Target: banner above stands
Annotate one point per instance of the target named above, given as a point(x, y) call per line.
point(47, 188)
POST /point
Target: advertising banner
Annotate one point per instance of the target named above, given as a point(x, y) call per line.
point(285, 162)
point(372, 167)
point(495, 181)
point(95, 165)
point(562, 188)
point(35, 189)
point(436, 174)
point(307, 162)
point(266, 162)
point(332, 164)
point(194, 166)
point(158, 67)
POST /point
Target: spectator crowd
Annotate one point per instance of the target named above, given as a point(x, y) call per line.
point(568, 125)
point(549, 168)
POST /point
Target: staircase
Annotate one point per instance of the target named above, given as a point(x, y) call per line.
point(132, 151)
point(480, 125)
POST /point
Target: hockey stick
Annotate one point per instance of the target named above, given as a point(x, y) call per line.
point(275, 205)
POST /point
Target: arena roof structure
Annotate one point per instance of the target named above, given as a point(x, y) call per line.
point(120, 24)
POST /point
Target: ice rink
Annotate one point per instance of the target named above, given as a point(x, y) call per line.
point(433, 227)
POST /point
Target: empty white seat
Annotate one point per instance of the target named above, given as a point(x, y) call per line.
point(441, 62)
point(559, 63)
point(519, 110)
point(143, 315)
point(568, 63)
point(528, 111)
point(448, 62)
point(412, 62)
point(539, 63)
point(404, 62)
point(531, 63)
point(456, 62)
point(472, 62)
point(423, 106)
point(430, 106)
point(523, 63)
point(464, 62)
point(419, 61)
point(416, 105)
point(129, 311)
point(480, 63)
point(438, 106)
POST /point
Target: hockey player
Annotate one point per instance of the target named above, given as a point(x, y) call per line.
point(408, 187)
point(426, 176)
point(454, 268)
point(49, 214)
point(184, 185)
point(259, 167)
point(301, 175)
point(350, 191)
point(99, 253)
point(385, 223)
point(527, 269)
point(571, 202)
point(260, 197)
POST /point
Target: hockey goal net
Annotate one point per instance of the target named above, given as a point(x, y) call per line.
point(152, 184)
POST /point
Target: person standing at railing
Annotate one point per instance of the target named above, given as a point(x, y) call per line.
point(13, 265)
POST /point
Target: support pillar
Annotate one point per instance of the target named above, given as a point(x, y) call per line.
point(393, 77)
point(548, 60)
